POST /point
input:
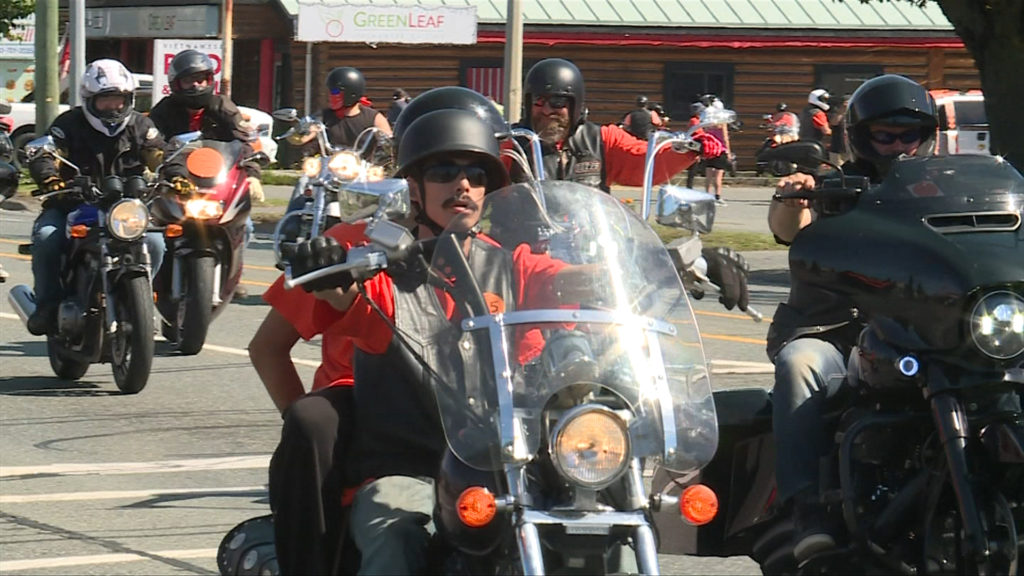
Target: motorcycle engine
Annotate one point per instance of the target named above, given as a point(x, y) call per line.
point(71, 319)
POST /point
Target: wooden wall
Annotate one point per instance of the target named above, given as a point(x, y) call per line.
point(615, 74)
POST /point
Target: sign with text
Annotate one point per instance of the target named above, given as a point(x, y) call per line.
point(165, 50)
point(153, 22)
point(394, 24)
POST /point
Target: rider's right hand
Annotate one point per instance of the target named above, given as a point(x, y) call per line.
point(792, 184)
point(318, 253)
point(181, 185)
point(53, 184)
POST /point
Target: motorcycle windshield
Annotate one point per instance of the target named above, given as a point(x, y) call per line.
point(209, 161)
point(561, 298)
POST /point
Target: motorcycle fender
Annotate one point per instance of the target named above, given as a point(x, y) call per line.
point(454, 477)
point(742, 474)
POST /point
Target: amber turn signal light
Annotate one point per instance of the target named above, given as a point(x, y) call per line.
point(173, 230)
point(79, 231)
point(698, 504)
point(476, 507)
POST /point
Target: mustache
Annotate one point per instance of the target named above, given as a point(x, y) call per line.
point(452, 201)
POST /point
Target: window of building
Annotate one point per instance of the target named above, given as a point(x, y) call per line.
point(486, 77)
point(842, 79)
point(685, 82)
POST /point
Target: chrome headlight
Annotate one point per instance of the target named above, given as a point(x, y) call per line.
point(127, 220)
point(345, 165)
point(590, 446)
point(203, 209)
point(997, 325)
point(311, 166)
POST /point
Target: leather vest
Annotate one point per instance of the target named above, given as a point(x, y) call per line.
point(808, 131)
point(399, 427)
point(581, 158)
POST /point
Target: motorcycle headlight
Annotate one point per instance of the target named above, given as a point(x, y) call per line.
point(127, 220)
point(997, 325)
point(345, 165)
point(311, 166)
point(590, 446)
point(203, 209)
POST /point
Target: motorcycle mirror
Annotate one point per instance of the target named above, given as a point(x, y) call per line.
point(286, 115)
point(680, 207)
point(41, 145)
point(386, 199)
point(716, 116)
point(5, 108)
point(261, 158)
point(805, 154)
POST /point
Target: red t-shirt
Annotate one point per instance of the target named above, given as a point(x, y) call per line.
point(372, 334)
point(820, 120)
point(298, 307)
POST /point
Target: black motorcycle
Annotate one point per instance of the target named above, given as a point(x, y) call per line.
point(926, 472)
point(106, 312)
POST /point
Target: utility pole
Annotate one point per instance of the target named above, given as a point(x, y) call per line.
point(226, 14)
point(76, 37)
point(513, 61)
point(47, 90)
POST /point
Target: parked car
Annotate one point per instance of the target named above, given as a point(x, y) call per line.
point(23, 115)
point(963, 124)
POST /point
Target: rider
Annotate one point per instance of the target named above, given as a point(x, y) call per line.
point(814, 120)
point(193, 106)
point(348, 114)
point(812, 334)
point(450, 159)
point(576, 149)
point(104, 136)
point(786, 123)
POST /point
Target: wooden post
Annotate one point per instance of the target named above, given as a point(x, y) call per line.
point(227, 11)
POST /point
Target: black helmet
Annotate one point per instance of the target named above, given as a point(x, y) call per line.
point(638, 123)
point(781, 107)
point(348, 81)
point(555, 76)
point(641, 101)
point(892, 99)
point(448, 97)
point(450, 131)
point(187, 63)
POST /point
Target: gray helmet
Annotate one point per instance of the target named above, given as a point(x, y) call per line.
point(451, 131)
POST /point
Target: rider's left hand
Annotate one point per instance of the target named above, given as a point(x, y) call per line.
point(710, 146)
point(728, 269)
point(318, 253)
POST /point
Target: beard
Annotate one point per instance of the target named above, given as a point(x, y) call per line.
point(555, 131)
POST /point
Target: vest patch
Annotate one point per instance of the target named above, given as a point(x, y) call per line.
point(588, 167)
point(495, 303)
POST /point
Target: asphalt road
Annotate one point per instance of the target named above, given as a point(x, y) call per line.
point(94, 482)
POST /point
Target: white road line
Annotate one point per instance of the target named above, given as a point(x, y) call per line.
point(207, 346)
point(122, 494)
point(155, 467)
point(13, 566)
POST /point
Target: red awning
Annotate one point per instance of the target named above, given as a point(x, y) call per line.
point(721, 40)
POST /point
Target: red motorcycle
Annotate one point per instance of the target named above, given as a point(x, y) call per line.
point(204, 228)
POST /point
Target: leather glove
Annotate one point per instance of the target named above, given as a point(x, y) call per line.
point(182, 185)
point(728, 269)
point(255, 189)
point(53, 184)
point(710, 146)
point(318, 253)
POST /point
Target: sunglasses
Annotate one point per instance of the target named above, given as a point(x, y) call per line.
point(445, 173)
point(555, 102)
point(908, 137)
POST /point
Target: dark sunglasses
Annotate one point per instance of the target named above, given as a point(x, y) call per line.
point(908, 137)
point(445, 173)
point(555, 102)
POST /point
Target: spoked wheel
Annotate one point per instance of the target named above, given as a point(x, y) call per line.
point(63, 366)
point(131, 344)
point(196, 306)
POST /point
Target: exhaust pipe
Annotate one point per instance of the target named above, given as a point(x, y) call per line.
point(23, 300)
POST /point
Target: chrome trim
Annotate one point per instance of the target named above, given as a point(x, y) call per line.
point(1013, 221)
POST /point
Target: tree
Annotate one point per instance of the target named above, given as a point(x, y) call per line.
point(11, 10)
point(993, 33)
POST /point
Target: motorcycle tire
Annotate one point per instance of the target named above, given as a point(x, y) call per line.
point(65, 368)
point(131, 344)
point(196, 307)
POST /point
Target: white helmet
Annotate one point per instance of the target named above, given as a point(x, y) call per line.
point(819, 98)
point(107, 76)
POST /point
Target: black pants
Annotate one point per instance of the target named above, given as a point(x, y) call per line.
point(306, 480)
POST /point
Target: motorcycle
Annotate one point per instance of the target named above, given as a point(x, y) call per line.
point(6, 125)
point(205, 236)
point(781, 133)
point(926, 470)
point(106, 311)
point(323, 178)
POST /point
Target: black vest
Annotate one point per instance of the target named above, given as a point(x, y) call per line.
point(344, 131)
point(580, 160)
point(808, 131)
point(399, 431)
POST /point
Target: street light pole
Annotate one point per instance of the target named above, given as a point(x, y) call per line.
point(226, 15)
point(513, 61)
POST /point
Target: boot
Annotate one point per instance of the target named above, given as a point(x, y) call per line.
point(43, 321)
point(241, 292)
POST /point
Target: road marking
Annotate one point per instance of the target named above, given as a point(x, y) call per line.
point(267, 268)
point(728, 338)
point(156, 467)
point(16, 256)
point(123, 494)
point(726, 315)
point(13, 566)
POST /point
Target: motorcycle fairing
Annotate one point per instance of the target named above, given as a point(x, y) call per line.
point(632, 335)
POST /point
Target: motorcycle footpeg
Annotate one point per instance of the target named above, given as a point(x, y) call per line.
point(25, 249)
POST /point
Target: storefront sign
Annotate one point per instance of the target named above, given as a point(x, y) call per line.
point(165, 50)
point(394, 24)
point(153, 22)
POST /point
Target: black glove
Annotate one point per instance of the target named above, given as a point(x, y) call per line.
point(728, 270)
point(318, 253)
point(53, 184)
point(181, 185)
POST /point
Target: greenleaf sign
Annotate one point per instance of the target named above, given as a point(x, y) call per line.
point(392, 24)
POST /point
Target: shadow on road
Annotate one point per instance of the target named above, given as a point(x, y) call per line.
point(54, 387)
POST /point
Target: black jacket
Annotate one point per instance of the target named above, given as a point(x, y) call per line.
point(221, 121)
point(96, 154)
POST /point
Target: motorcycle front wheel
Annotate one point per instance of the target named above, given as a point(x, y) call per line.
point(64, 367)
point(131, 344)
point(196, 307)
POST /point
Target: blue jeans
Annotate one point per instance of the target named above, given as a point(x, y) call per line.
point(391, 523)
point(807, 371)
point(48, 242)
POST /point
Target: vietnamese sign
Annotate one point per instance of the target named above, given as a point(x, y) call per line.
point(396, 24)
point(153, 22)
point(165, 50)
